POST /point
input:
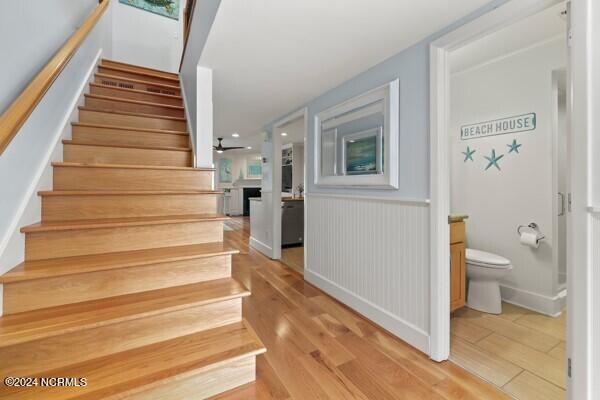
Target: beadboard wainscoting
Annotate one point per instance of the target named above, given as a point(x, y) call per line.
point(372, 254)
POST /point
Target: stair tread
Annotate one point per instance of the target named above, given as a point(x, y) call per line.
point(84, 108)
point(133, 370)
point(126, 146)
point(173, 74)
point(123, 100)
point(143, 73)
point(128, 128)
point(121, 89)
point(140, 81)
point(49, 268)
point(124, 192)
point(49, 226)
point(43, 323)
point(128, 166)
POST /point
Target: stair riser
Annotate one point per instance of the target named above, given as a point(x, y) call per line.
point(135, 121)
point(47, 354)
point(68, 208)
point(145, 86)
point(42, 245)
point(126, 156)
point(136, 75)
point(124, 137)
point(82, 178)
point(43, 293)
point(204, 384)
point(135, 68)
point(113, 105)
point(126, 94)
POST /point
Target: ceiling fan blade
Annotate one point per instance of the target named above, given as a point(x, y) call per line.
point(233, 148)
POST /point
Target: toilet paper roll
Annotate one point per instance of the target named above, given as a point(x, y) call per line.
point(530, 239)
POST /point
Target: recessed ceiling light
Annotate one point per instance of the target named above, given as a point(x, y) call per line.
point(249, 147)
point(351, 141)
point(283, 134)
point(219, 151)
point(235, 134)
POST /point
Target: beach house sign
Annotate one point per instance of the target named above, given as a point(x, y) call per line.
point(503, 126)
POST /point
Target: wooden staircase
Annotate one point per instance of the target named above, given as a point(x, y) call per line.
point(126, 281)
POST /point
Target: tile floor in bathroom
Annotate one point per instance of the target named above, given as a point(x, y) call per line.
point(520, 351)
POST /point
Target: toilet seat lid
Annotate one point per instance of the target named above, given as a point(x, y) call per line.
point(484, 258)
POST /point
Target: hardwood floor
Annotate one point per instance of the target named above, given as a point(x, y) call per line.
point(293, 257)
point(520, 351)
point(319, 349)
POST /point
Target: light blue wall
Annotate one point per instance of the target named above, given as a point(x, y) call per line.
point(411, 67)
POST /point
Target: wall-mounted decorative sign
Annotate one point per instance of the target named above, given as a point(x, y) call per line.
point(503, 126)
point(167, 8)
point(225, 170)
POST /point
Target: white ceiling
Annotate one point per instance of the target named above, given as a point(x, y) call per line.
point(520, 35)
point(270, 57)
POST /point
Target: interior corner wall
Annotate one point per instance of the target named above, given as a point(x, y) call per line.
point(522, 191)
point(144, 38)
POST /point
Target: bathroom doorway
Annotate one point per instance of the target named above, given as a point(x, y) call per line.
point(507, 146)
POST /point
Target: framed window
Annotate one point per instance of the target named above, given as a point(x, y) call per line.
point(357, 141)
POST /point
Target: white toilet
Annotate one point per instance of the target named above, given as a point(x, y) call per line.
point(484, 270)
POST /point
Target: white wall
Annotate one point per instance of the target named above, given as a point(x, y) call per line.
point(522, 192)
point(25, 164)
point(239, 162)
point(31, 31)
point(144, 38)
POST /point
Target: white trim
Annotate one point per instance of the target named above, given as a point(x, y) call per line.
point(594, 209)
point(413, 335)
point(508, 55)
point(260, 246)
point(31, 191)
point(552, 306)
point(439, 155)
point(402, 200)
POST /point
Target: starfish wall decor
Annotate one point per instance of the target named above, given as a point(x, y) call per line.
point(493, 160)
point(469, 154)
point(514, 147)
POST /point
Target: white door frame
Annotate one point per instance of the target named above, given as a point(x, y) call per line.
point(276, 173)
point(579, 315)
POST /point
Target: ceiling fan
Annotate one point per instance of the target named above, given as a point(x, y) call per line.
point(219, 148)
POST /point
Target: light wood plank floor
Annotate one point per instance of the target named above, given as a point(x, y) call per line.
point(293, 257)
point(319, 349)
point(520, 351)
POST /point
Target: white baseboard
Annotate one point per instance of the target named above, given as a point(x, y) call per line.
point(397, 326)
point(260, 246)
point(552, 306)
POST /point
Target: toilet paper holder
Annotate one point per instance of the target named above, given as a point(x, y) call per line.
point(533, 226)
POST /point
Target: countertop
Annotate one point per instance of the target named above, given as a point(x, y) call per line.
point(457, 218)
point(292, 199)
point(255, 198)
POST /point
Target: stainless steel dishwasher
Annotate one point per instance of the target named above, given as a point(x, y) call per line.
point(292, 222)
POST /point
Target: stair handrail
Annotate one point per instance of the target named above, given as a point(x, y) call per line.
point(21, 108)
point(188, 16)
